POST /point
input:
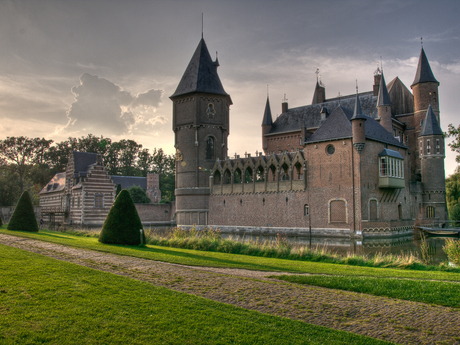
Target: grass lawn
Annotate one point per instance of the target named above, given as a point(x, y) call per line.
point(440, 293)
point(377, 281)
point(47, 301)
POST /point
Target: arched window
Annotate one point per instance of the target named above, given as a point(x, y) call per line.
point(337, 211)
point(298, 173)
point(272, 173)
point(237, 176)
point(248, 175)
point(217, 178)
point(210, 148)
point(227, 177)
point(260, 174)
point(285, 172)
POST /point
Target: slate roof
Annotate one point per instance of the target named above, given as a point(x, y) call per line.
point(358, 113)
point(82, 162)
point(129, 181)
point(200, 75)
point(390, 153)
point(338, 126)
point(430, 125)
point(56, 184)
point(267, 120)
point(424, 73)
point(310, 115)
point(383, 97)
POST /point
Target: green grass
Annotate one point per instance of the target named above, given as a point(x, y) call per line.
point(46, 301)
point(439, 293)
point(216, 259)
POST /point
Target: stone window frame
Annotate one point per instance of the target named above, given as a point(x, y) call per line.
point(369, 209)
point(306, 210)
point(430, 212)
point(428, 147)
point(438, 147)
point(98, 200)
point(329, 210)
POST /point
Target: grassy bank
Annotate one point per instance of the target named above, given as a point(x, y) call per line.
point(46, 301)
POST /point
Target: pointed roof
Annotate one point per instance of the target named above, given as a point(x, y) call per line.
point(424, 73)
point(358, 113)
point(383, 97)
point(267, 121)
point(315, 95)
point(200, 75)
point(430, 125)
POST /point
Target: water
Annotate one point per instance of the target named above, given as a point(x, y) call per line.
point(343, 246)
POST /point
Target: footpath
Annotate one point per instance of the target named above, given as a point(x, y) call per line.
point(384, 318)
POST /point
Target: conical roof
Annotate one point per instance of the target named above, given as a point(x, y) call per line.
point(358, 113)
point(200, 75)
point(267, 121)
point(430, 125)
point(384, 97)
point(424, 73)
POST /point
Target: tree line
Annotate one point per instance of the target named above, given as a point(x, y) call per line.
point(29, 163)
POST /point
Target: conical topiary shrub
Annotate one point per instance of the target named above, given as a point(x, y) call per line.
point(23, 217)
point(122, 225)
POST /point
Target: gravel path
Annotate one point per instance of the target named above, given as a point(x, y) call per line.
point(378, 317)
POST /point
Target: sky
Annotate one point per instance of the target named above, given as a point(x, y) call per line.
point(108, 67)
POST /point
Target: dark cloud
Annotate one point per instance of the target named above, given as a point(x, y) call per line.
point(103, 107)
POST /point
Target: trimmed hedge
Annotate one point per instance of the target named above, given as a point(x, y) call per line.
point(122, 224)
point(23, 217)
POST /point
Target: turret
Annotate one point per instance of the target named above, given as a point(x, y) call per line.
point(358, 126)
point(267, 124)
point(432, 154)
point(384, 106)
point(320, 93)
point(425, 90)
point(201, 127)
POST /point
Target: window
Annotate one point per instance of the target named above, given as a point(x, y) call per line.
point(337, 211)
point(373, 210)
point(430, 212)
point(306, 210)
point(237, 176)
point(438, 147)
point(78, 202)
point(330, 149)
point(98, 201)
point(428, 147)
point(210, 148)
point(400, 211)
point(211, 111)
point(391, 167)
point(421, 147)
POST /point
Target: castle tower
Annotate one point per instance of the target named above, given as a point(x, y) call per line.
point(431, 141)
point(358, 126)
point(425, 90)
point(201, 127)
point(267, 124)
point(384, 106)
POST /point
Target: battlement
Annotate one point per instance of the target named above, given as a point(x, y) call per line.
point(285, 171)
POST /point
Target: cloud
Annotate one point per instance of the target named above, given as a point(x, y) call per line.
point(103, 107)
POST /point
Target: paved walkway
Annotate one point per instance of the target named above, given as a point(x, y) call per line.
point(378, 317)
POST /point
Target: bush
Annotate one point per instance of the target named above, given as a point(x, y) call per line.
point(122, 224)
point(452, 249)
point(23, 217)
point(1, 223)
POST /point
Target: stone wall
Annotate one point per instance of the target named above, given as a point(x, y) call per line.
point(156, 213)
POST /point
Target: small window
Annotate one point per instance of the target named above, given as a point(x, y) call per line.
point(438, 147)
point(428, 147)
point(400, 211)
point(421, 147)
point(430, 212)
point(211, 111)
point(330, 149)
point(209, 148)
point(306, 211)
point(98, 201)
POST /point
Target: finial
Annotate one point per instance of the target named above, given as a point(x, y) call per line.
point(267, 91)
point(285, 99)
point(202, 24)
point(421, 41)
point(381, 63)
point(317, 73)
point(356, 86)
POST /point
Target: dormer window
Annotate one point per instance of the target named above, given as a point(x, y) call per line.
point(391, 169)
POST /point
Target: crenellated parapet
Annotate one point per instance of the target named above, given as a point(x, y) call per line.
point(281, 172)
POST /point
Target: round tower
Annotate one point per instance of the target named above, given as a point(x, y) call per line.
point(358, 123)
point(201, 127)
point(432, 154)
point(425, 90)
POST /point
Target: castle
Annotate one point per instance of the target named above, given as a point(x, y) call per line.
point(363, 165)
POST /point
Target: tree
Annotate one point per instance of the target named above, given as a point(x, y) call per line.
point(138, 195)
point(455, 144)
point(23, 217)
point(21, 153)
point(453, 191)
point(9, 187)
point(144, 162)
point(122, 225)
